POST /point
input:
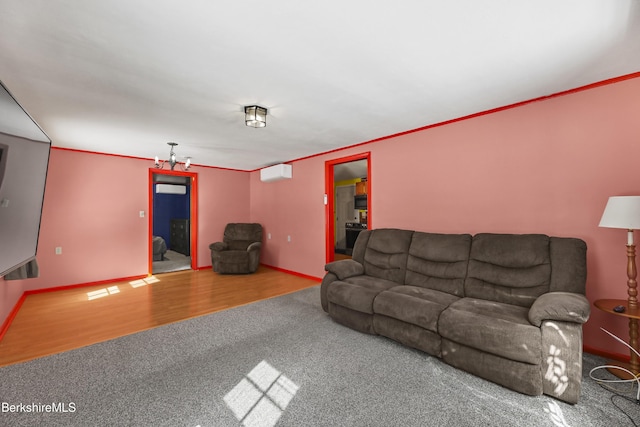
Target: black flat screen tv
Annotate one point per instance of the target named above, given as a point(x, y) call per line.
point(24, 159)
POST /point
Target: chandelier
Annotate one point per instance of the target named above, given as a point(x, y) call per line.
point(173, 160)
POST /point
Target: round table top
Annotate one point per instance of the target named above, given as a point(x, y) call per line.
point(608, 304)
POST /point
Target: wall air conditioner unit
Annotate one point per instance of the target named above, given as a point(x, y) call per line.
point(171, 189)
point(275, 173)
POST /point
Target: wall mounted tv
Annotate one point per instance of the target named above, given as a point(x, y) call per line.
point(24, 159)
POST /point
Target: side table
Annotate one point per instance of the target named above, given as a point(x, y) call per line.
point(633, 315)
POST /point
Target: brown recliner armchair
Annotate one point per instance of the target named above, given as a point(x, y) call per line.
point(239, 251)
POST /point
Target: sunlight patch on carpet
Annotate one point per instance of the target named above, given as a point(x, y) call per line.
point(260, 398)
point(556, 415)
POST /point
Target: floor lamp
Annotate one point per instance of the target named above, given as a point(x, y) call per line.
point(624, 212)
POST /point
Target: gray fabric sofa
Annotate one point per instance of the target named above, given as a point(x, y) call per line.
point(508, 308)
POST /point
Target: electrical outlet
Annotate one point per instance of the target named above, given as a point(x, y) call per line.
point(289, 239)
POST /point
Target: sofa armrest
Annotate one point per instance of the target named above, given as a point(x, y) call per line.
point(218, 246)
point(345, 268)
point(562, 306)
point(255, 246)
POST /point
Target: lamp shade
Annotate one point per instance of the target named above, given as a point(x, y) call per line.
point(622, 212)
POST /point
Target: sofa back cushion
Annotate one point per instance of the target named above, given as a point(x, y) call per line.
point(509, 268)
point(438, 261)
point(246, 233)
point(383, 253)
point(569, 262)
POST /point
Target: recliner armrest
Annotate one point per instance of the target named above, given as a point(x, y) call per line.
point(218, 246)
point(345, 268)
point(255, 246)
point(562, 306)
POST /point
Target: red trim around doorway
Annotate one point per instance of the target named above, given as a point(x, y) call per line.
point(329, 190)
point(193, 219)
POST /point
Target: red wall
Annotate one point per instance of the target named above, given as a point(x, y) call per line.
point(91, 209)
point(293, 208)
point(223, 197)
point(544, 167)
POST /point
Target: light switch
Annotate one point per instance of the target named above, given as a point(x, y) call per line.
point(141, 214)
point(59, 250)
point(4, 203)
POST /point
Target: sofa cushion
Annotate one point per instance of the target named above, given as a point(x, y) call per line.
point(494, 327)
point(235, 257)
point(509, 268)
point(522, 377)
point(413, 304)
point(353, 319)
point(407, 334)
point(239, 245)
point(569, 260)
point(385, 256)
point(358, 293)
point(243, 231)
point(438, 261)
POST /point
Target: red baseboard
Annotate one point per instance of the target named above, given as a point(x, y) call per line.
point(607, 354)
point(84, 285)
point(12, 315)
point(293, 273)
point(16, 308)
point(282, 270)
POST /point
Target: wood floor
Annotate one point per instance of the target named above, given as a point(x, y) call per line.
point(53, 322)
point(338, 256)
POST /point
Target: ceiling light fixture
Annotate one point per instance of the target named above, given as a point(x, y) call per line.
point(173, 160)
point(255, 116)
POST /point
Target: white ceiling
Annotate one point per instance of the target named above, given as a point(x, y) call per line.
point(350, 170)
point(127, 76)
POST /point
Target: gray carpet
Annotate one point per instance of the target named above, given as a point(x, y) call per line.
point(173, 261)
point(216, 369)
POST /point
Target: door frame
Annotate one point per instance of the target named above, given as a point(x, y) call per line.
point(193, 213)
point(329, 198)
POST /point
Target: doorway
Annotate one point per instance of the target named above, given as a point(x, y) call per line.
point(173, 216)
point(347, 203)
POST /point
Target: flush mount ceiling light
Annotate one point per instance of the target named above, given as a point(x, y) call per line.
point(255, 116)
point(173, 160)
